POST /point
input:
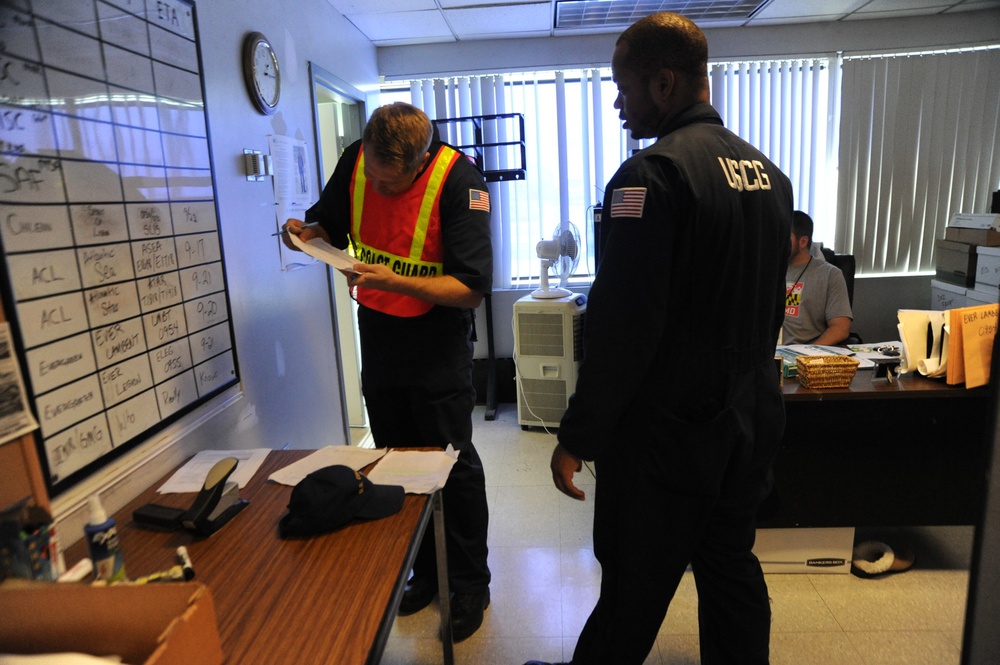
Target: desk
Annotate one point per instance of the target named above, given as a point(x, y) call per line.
point(330, 599)
point(877, 454)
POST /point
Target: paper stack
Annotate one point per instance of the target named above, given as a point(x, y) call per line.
point(954, 344)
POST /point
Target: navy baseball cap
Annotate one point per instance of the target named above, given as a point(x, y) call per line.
point(335, 496)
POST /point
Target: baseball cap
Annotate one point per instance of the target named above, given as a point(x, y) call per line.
point(334, 496)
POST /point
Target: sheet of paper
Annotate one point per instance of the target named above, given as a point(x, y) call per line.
point(325, 252)
point(15, 414)
point(933, 366)
point(820, 350)
point(913, 334)
point(191, 476)
point(418, 471)
point(352, 456)
point(979, 328)
point(956, 349)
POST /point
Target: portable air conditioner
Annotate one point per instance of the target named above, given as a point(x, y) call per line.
point(548, 348)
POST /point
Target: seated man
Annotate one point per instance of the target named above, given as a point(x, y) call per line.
point(817, 308)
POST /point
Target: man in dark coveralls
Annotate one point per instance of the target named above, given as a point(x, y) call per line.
point(418, 215)
point(677, 400)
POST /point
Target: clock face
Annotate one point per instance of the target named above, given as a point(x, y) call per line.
point(265, 66)
point(260, 68)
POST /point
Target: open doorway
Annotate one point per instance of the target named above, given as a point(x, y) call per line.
point(339, 116)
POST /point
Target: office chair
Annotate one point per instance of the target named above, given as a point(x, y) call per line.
point(847, 265)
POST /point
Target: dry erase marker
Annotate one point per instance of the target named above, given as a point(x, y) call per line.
point(174, 574)
point(305, 226)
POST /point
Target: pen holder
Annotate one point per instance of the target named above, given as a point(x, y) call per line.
point(826, 371)
point(27, 550)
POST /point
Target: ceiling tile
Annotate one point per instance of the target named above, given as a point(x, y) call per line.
point(478, 21)
point(401, 25)
point(879, 6)
point(808, 9)
point(348, 7)
point(452, 4)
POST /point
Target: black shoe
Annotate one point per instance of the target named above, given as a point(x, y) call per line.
point(467, 613)
point(419, 593)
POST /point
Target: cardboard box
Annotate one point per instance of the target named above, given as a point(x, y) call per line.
point(987, 237)
point(987, 266)
point(955, 262)
point(982, 221)
point(812, 551)
point(984, 295)
point(151, 624)
point(947, 296)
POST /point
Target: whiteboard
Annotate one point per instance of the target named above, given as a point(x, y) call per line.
point(112, 258)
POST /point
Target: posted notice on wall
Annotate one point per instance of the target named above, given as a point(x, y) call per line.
point(15, 416)
point(293, 191)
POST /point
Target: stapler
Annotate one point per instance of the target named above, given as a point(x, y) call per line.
point(217, 503)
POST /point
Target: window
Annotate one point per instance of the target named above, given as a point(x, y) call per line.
point(920, 142)
point(912, 154)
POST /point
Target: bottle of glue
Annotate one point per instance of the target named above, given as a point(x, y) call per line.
point(102, 543)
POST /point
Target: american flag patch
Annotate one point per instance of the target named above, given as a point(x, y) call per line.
point(479, 200)
point(628, 202)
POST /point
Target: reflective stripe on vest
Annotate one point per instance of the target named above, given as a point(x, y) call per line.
point(415, 264)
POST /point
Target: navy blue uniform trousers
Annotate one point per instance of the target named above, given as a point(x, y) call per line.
point(677, 492)
point(416, 376)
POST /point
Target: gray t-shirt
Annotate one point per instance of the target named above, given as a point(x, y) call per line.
point(812, 297)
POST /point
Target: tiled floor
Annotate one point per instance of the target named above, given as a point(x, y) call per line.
point(545, 582)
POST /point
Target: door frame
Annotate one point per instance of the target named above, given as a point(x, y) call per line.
point(333, 133)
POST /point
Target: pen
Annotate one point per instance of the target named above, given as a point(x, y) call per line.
point(305, 226)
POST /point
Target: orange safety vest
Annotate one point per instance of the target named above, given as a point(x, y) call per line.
point(402, 231)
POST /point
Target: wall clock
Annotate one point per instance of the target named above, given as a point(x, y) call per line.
point(260, 70)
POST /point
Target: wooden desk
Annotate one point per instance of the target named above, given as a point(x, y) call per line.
point(330, 599)
point(877, 454)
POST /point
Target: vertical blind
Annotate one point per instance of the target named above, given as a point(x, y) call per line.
point(788, 110)
point(919, 144)
point(574, 142)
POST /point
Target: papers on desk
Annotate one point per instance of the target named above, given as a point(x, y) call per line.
point(789, 352)
point(955, 344)
point(191, 476)
point(351, 456)
point(327, 253)
point(418, 471)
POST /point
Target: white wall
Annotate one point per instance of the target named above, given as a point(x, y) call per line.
point(283, 321)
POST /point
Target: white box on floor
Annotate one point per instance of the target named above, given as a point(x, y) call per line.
point(812, 551)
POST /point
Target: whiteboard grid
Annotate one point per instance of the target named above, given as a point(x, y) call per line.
point(111, 246)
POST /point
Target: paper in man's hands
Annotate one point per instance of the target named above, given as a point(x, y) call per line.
point(325, 252)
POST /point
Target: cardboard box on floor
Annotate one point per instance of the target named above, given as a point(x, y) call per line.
point(805, 550)
point(152, 624)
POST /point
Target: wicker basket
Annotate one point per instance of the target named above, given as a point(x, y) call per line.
point(826, 371)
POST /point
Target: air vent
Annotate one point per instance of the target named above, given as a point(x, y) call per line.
point(542, 401)
point(540, 334)
point(580, 14)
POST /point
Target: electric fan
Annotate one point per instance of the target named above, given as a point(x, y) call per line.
point(561, 254)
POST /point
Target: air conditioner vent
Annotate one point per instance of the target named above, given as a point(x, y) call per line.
point(540, 334)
